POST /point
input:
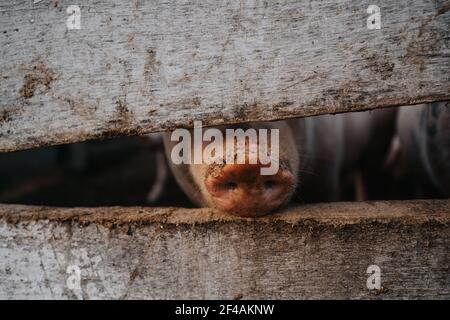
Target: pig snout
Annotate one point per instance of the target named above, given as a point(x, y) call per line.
point(242, 190)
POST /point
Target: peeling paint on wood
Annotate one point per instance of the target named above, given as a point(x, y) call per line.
point(142, 66)
point(311, 251)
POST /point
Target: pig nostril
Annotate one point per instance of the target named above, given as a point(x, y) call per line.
point(269, 184)
point(230, 185)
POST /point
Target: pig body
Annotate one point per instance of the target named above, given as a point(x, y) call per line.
point(315, 154)
point(424, 147)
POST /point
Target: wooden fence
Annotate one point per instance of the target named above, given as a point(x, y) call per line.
point(135, 67)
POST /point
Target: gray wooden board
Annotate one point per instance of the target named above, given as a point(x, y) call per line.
point(142, 66)
point(311, 251)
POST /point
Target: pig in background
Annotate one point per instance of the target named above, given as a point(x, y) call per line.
point(421, 149)
point(331, 158)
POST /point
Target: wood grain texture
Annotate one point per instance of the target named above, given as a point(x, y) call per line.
point(141, 66)
point(311, 251)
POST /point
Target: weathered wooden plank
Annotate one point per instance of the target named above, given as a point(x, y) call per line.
point(312, 251)
point(142, 66)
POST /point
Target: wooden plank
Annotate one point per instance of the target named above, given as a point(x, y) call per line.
point(141, 66)
point(311, 251)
